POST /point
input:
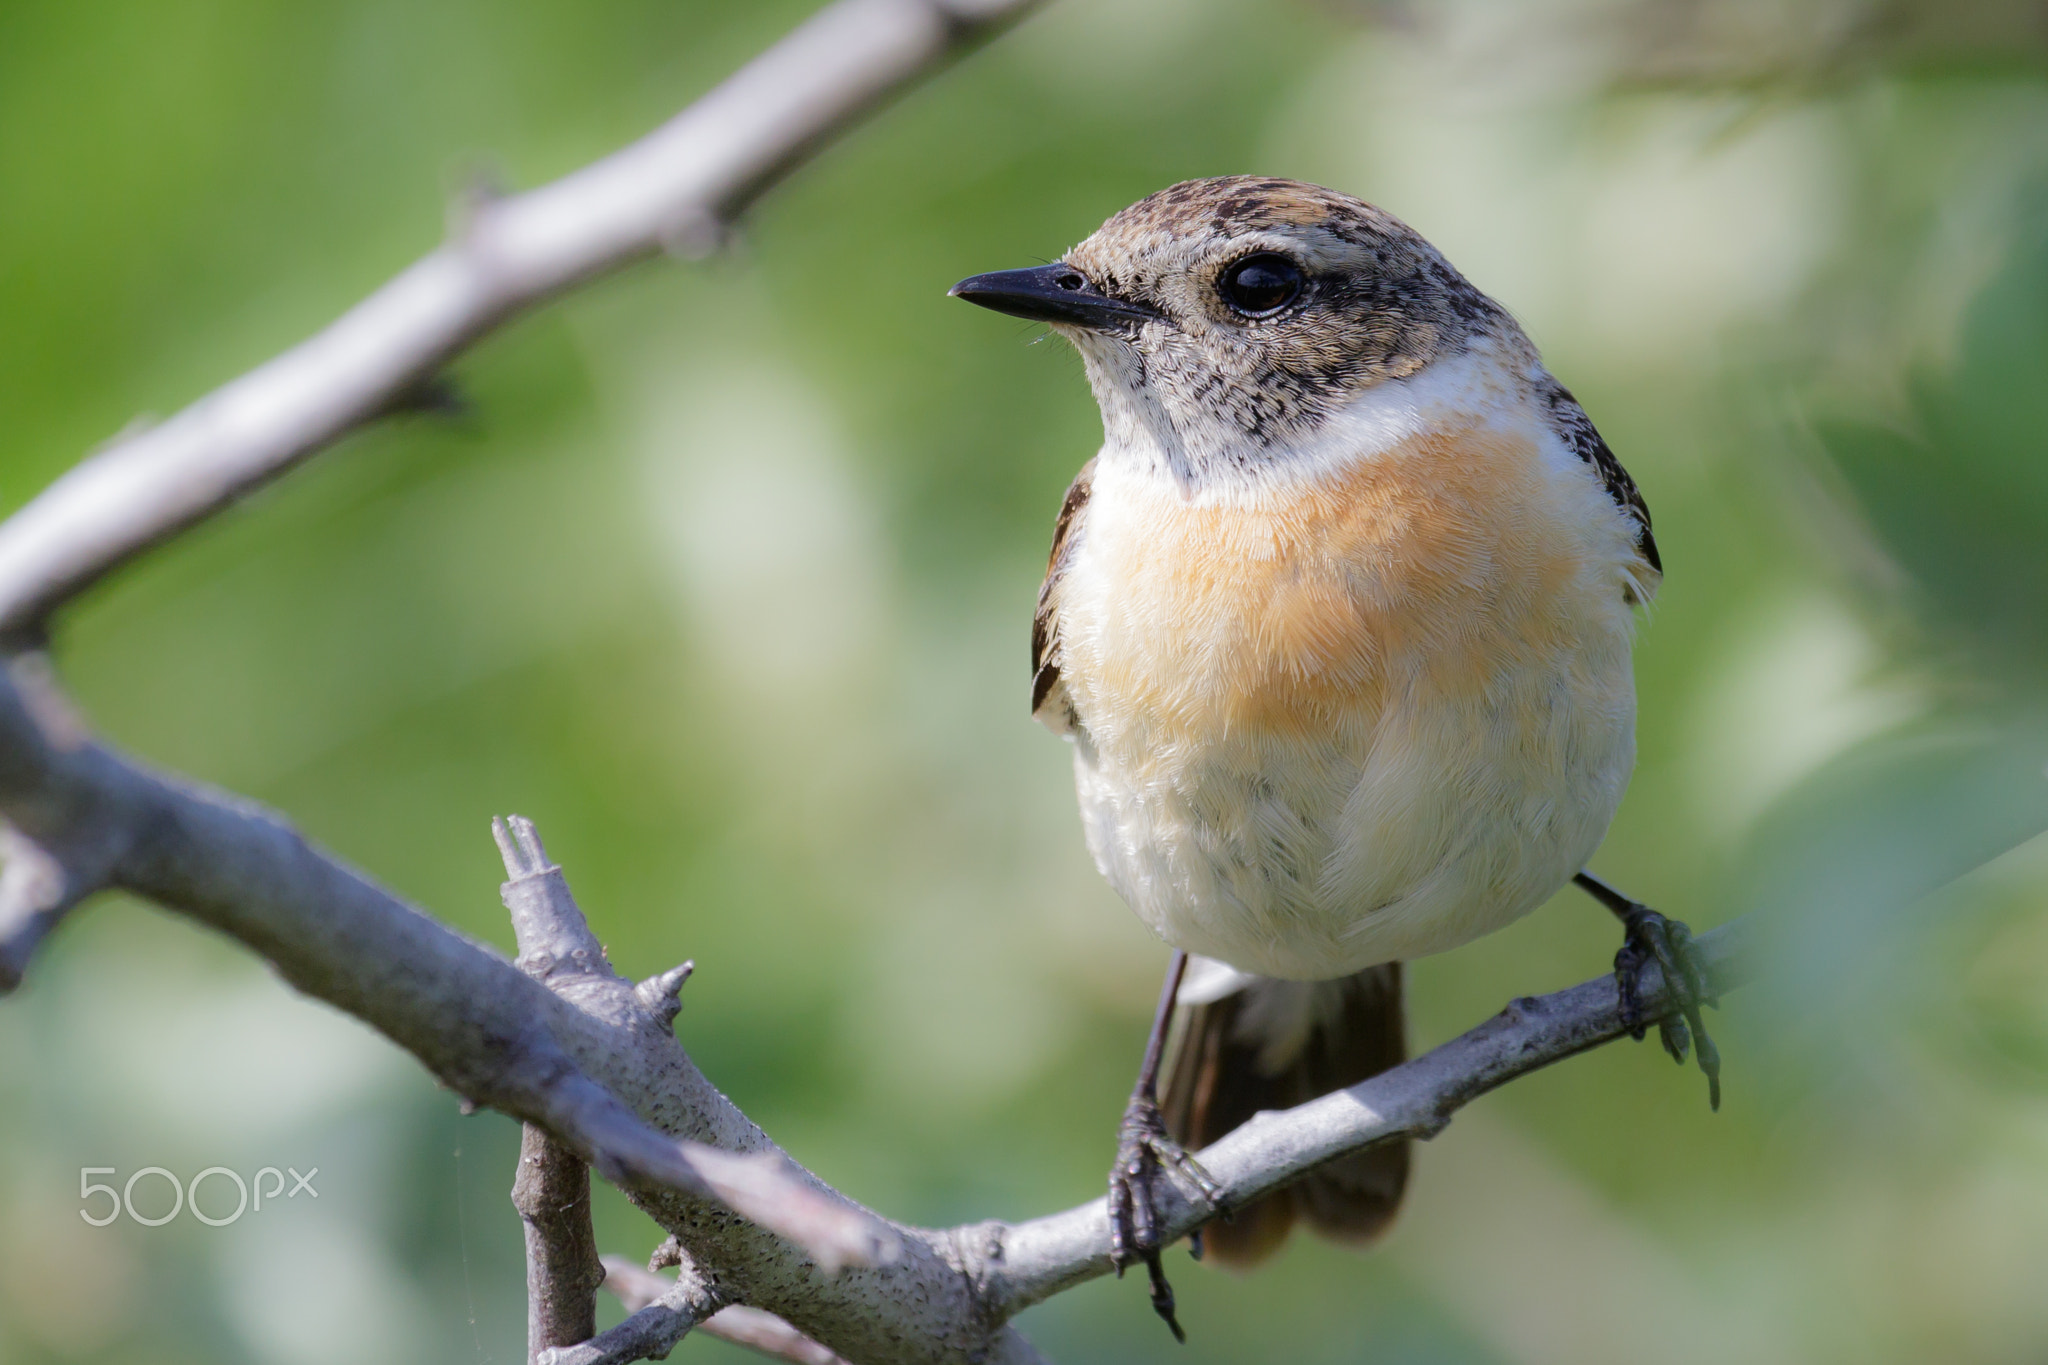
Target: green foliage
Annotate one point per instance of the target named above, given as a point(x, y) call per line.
point(1957, 489)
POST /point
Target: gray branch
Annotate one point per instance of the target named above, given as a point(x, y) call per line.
point(586, 1056)
point(761, 1332)
point(552, 1194)
point(1030, 1262)
point(552, 1189)
point(676, 189)
point(654, 1328)
point(487, 1030)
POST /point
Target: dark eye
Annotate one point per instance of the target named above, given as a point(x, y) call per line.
point(1261, 284)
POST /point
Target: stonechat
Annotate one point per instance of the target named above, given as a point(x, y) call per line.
point(1338, 623)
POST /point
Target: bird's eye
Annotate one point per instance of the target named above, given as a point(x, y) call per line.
point(1260, 285)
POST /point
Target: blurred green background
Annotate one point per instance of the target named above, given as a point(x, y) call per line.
point(725, 578)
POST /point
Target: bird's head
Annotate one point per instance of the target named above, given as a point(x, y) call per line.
point(1223, 320)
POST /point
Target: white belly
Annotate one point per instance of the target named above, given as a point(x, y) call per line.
point(1311, 860)
point(1356, 723)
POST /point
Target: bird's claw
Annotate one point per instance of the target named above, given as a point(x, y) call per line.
point(1652, 937)
point(1145, 1151)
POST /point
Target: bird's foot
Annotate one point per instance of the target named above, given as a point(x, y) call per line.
point(1145, 1152)
point(1651, 937)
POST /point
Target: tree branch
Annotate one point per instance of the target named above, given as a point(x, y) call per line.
point(43, 877)
point(552, 1194)
point(1030, 1262)
point(652, 1331)
point(552, 1189)
point(676, 189)
point(566, 1054)
point(487, 1030)
point(764, 1333)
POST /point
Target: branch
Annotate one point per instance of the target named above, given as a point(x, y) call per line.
point(484, 1028)
point(1030, 1262)
point(653, 1330)
point(552, 1194)
point(576, 1052)
point(676, 189)
point(764, 1333)
point(552, 1190)
point(42, 878)
point(587, 1056)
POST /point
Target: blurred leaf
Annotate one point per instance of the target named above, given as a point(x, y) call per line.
point(1959, 493)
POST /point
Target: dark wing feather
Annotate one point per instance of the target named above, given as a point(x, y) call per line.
point(1221, 1074)
point(1045, 634)
point(1576, 430)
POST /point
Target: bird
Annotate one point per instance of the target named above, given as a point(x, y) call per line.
point(1338, 622)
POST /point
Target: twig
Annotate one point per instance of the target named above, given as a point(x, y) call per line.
point(651, 1332)
point(43, 875)
point(552, 1189)
point(552, 1194)
point(758, 1331)
point(676, 189)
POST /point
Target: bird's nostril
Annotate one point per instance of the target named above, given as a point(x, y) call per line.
point(1071, 281)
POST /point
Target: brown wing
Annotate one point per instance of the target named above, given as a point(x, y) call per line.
point(1045, 632)
point(1224, 1071)
point(1570, 422)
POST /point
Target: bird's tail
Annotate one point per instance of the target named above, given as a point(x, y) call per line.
point(1245, 1043)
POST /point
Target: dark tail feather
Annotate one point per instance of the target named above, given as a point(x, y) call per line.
point(1273, 1045)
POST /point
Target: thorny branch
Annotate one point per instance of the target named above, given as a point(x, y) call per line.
point(504, 1039)
point(677, 189)
point(560, 1041)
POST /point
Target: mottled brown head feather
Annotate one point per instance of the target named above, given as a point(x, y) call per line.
point(1213, 384)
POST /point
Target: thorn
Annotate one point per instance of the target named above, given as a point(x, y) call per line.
point(662, 995)
point(667, 1254)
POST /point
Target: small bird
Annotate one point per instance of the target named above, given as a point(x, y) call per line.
point(1338, 623)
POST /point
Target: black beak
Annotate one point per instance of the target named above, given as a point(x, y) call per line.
point(1051, 293)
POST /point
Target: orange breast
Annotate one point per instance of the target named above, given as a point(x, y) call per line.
point(1429, 568)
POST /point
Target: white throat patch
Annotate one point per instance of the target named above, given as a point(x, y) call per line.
point(1217, 464)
